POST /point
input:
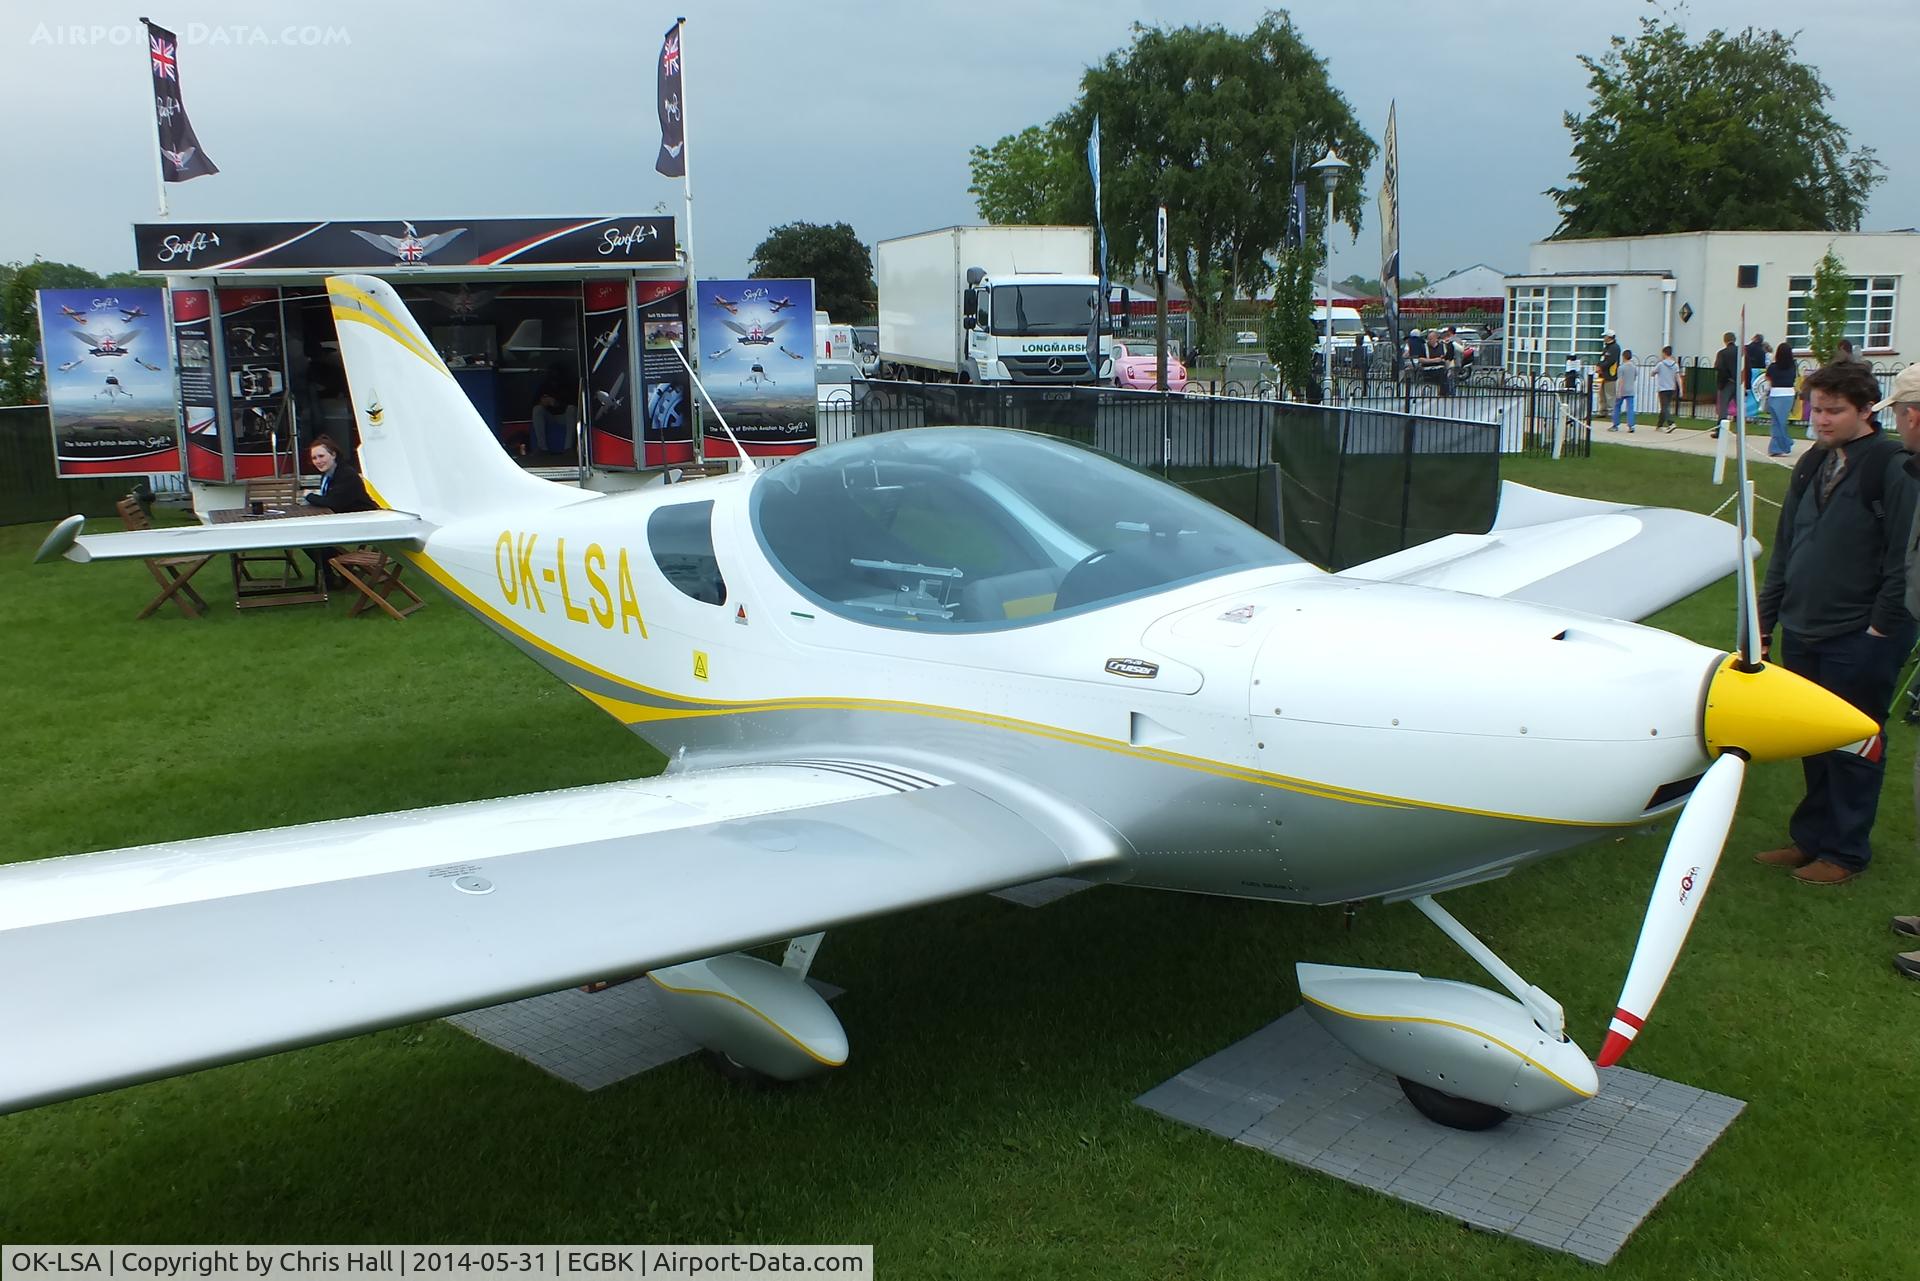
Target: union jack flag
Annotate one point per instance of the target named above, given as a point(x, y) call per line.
point(181, 155)
point(672, 161)
point(163, 63)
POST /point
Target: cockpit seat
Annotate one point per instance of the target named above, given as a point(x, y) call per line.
point(1018, 595)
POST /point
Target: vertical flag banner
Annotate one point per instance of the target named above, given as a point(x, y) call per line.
point(672, 161)
point(758, 364)
point(1390, 236)
point(1100, 237)
point(109, 381)
point(181, 156)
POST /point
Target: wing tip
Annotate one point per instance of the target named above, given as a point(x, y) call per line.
point(62, 541)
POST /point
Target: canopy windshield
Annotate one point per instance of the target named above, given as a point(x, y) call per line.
point(975, 528)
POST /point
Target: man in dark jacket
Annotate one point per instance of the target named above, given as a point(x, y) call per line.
point(1837, 585)
point(1726, 379)
point(1904, 404)
point(1609, 369)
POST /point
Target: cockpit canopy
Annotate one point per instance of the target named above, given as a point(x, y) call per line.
point(958, 529)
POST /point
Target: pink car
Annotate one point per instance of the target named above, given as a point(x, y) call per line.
point(1142, 371)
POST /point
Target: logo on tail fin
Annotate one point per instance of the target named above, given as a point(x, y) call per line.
point(375, 413)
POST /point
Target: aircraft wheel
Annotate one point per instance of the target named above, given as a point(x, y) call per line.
point(1451, 1110)
point(731, 1069)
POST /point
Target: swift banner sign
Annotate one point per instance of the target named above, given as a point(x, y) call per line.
point(188, 249)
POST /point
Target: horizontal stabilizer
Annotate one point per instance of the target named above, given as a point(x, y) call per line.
point(242, 536)
point(1611, 559)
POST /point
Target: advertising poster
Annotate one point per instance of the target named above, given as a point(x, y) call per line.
point(756, 359)
point(609, 404)
point(109, 381)
point(257, 378)
point(193, 357)
point(666, 435)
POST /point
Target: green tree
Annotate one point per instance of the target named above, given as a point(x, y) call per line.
point(1370, 285)
point(21, 379)
point(1731, 133)
point(841, 267)
point(1025, 177)
point(1827, 306)
point(1206, 119)
point(1288, 331)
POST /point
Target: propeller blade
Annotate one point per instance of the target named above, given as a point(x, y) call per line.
point(1692, 854)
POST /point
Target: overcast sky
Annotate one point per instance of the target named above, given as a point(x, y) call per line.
point(859, 111)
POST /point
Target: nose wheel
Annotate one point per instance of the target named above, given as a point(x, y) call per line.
point(1451, 1110)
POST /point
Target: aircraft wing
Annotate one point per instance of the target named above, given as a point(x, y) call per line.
point(244, 536)
point(1597, 557)
point(133, 964)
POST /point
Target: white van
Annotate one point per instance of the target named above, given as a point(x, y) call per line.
point(831, 341)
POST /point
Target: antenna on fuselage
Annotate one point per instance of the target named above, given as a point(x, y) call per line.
point(746, 464)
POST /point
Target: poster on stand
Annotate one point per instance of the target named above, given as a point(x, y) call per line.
point(756, 359)
point(666, 428)
point(109, 381)
point(609, 380)
point(193, 357)
point(254, 328)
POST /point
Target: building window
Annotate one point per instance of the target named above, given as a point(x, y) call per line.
point(1546, 323)
point(681, 538)
point(1870, 308)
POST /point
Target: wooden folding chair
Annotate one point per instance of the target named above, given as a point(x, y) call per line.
point(171, 572)
point(376, 576)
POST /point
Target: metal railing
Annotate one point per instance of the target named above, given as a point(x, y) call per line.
point(1338, 485)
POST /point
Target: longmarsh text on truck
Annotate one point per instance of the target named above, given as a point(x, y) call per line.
point(992, 305)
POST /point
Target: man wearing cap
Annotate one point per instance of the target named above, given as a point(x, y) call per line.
point(1837, 585)
point(1609, 371)
point(1904, 404)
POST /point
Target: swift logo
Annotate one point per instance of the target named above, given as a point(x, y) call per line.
point(615, 239)
point(1133, 668)
point(1687, 882)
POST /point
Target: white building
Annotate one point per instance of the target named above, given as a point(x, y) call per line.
point(1687, 289)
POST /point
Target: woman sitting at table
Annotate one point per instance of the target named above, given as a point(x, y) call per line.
point(340, 491)
point(340, 488)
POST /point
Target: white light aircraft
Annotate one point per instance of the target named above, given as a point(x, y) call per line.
point(911, 667)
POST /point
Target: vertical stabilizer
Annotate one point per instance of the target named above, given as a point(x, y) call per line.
point(423, 447)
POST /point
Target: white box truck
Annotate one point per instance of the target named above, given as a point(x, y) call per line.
point(991, 305)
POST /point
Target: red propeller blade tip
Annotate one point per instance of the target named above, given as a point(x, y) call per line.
point(1615, 1047)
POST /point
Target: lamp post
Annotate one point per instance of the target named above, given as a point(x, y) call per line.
point(1329, 167)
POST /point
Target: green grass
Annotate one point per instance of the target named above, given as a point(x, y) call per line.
point(984, 1127)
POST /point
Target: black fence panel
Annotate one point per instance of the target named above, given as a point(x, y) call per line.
point(29, 491)
point(1336, 485)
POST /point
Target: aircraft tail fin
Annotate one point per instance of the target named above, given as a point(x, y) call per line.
point(423, 447)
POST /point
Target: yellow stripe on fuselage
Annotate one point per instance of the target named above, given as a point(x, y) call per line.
point(630, 713)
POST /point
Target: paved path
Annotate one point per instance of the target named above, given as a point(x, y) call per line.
point(1693, 439)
